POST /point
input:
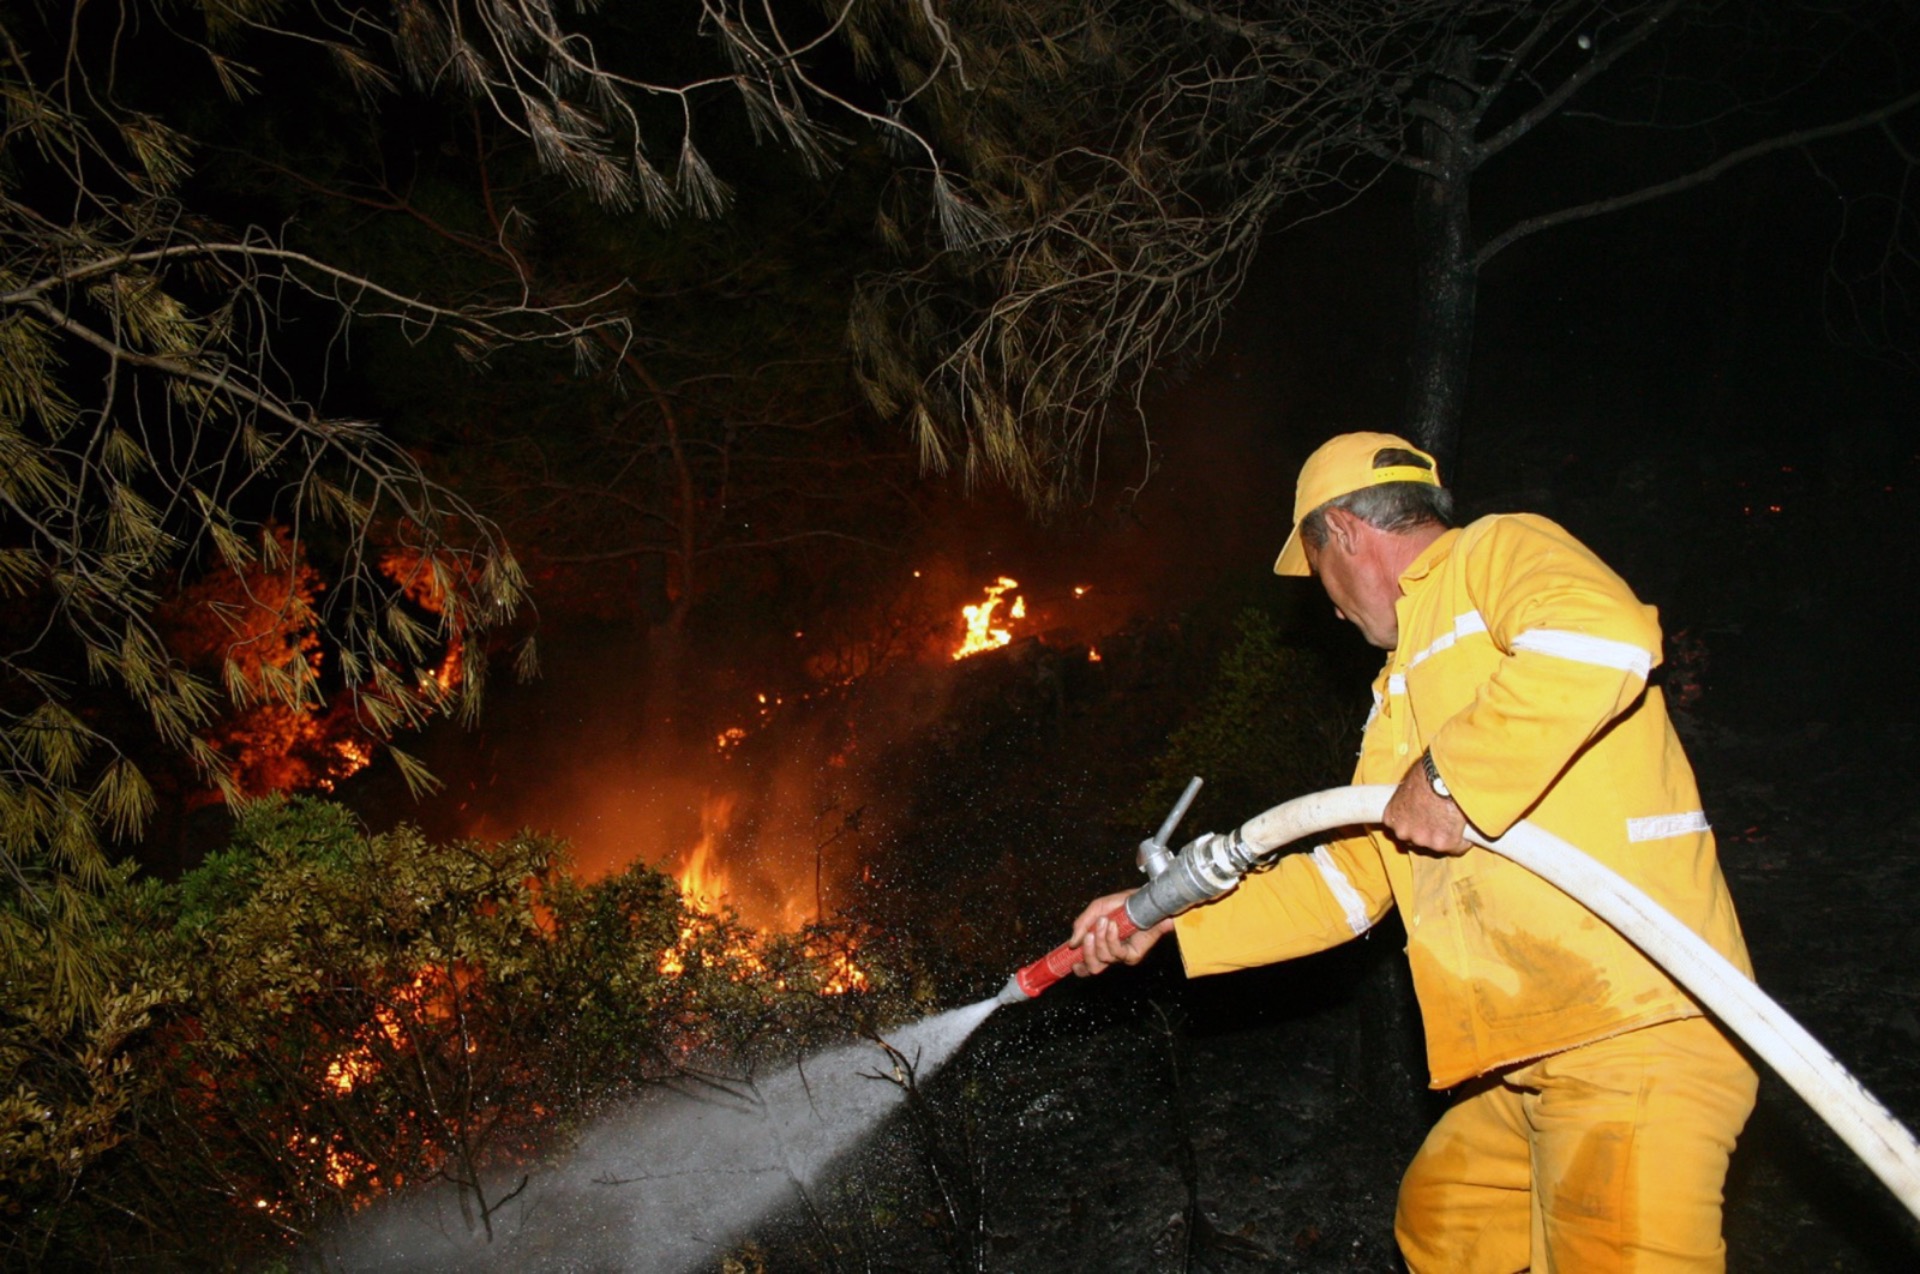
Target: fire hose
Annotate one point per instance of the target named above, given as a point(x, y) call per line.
point(1210, 866)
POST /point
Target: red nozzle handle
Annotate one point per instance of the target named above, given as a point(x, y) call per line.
point(1059, 962)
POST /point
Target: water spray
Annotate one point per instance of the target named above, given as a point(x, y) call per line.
point(1211, 866)
point(668, 1183)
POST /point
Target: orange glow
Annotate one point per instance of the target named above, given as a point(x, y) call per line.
point(425, 586)
point(1093, 655)
point(442, 679)
point(1079, 590)
point(358, 1063)
point(981, 633)
point(341, 1166)
point(345, 1072)
point(355, 755)
point(845, 975)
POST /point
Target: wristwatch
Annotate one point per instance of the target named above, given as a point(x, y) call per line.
point(1434, 781)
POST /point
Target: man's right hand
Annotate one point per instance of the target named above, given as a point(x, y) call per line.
point(1093, 934)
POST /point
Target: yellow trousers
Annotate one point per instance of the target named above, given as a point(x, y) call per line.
point(1606, 1158)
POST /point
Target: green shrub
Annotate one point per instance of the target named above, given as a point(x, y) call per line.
point(1270, 728)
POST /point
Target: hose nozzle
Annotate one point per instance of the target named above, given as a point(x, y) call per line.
point(1153, 857)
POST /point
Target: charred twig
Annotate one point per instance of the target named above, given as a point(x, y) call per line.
point(1199, 1238)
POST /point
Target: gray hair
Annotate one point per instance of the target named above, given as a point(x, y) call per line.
point(1390, 506)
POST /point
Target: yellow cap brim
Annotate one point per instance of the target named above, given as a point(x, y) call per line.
point(1293, 557)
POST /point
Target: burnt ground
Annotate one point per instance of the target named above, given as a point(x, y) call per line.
point(1260, 1121)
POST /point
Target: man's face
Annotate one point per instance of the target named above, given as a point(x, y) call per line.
point(1352, 569)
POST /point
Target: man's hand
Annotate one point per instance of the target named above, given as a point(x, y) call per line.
point(1419, 816)
point(1093, 933)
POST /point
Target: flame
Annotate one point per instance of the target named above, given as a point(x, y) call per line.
point(350, 757)
point(705, 885)
point(1093, 655)
point(425, 579)
point(981, 634)
point(343, 1165)
point(358, 1063)
point(844, 975)
point(703, 881)
point(345, 1072)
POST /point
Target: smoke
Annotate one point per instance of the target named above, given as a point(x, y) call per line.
point(668, 1183)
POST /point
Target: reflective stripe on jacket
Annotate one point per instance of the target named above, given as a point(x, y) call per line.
point(1522, 663)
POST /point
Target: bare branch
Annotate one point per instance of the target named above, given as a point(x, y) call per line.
point(1698, 177)
point(1643, 30)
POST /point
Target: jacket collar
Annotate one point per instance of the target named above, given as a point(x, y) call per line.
point(1430, 558)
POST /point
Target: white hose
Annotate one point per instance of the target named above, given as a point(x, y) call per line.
point(1835, 1095)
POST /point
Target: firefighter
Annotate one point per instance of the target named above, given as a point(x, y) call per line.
point(1596, 1107)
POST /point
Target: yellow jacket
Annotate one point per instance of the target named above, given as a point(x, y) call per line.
point(1522, 663)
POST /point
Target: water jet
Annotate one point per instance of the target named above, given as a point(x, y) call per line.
point(670, 1182)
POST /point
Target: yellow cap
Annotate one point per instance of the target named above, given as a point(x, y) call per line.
point(1340, 467)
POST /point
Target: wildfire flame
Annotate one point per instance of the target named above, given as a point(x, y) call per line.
point(704, 884)
point(846, 976)
point(358, 1063)
point(703, 881)
point(981, 633)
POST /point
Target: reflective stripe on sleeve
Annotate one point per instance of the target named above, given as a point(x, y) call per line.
point(1585, 648)
point(1661, 826)
point(1343, 891)
point(1464, 625)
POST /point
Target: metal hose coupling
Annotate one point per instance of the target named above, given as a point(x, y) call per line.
point(1206, 868)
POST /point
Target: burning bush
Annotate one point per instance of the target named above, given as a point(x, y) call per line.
point(344, 1015)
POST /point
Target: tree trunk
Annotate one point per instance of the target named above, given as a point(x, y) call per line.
point(1447, 281)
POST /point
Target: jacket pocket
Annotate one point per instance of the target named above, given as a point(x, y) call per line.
point(1530, 953)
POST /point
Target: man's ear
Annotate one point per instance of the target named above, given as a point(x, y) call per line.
point(1342, 530)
